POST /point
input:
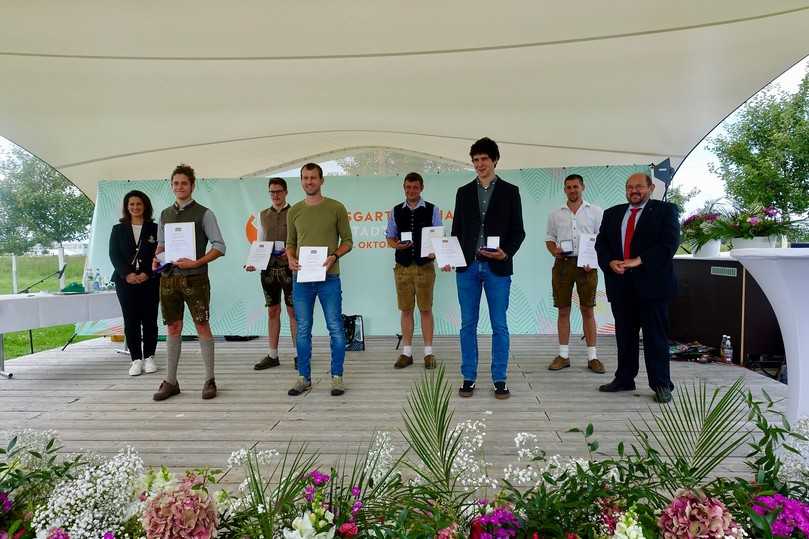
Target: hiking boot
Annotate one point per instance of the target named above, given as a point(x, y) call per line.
point(266, 363)
point(559, 363)
point(596, 366)
point(337, 387)
point(166, 390)
point(209, 389)
point(302, 385)
point(403, 361)
point(501, 391)
point(429, 361)
point(467, 389)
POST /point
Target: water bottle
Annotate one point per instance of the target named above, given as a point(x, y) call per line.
point(88, 280)
point(97, 280)
point(727, 349)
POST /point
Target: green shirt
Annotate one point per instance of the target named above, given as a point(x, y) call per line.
point(324, 224)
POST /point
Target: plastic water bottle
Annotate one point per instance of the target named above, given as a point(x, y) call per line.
point(88, 280)
point(97, 280)
point(727, 349)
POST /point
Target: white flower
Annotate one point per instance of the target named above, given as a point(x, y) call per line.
point(303, 528)
point(380, 456)
point(627, 527)
point(469, 464)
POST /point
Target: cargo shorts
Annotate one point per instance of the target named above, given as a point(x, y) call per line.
point(564, 275)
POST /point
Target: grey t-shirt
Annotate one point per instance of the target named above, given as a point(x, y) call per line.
point(484, 196)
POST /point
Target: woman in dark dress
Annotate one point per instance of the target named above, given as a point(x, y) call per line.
point(132, 247)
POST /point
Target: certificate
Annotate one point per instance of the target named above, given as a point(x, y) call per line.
point(180, 241)
point(587, 251)
point(311, 260)
point(428, 234)
point(259, 255)
point(448, 252)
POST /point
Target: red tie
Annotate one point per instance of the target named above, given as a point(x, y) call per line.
point(630, 231)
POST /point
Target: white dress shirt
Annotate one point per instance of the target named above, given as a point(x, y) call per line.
point(563, 224)
point(626, 219)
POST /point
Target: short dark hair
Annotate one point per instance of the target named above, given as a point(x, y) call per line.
point(485, 146)
point(312, 166)
point(575, 177)
point(186, 170)
point(277, 181)
point(414, 177)
point(126, 217)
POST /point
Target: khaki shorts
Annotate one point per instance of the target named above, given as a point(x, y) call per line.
point(179, 290)
point(273, 282)
point(414, 284)
point(564, 275)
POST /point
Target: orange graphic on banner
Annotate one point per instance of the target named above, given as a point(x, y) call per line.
point(250, 229)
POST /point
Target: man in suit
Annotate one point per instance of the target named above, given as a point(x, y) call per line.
point(635, 245)
point(488, 210)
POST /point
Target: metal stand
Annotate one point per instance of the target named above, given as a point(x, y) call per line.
point(3, 373)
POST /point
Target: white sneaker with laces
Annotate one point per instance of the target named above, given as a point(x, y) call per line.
point(136, 369)
point(149, 365)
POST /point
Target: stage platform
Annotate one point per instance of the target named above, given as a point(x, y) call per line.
point(85, 395)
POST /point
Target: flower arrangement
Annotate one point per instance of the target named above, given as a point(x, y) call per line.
point(695, 515)
point(185, 511)
point(100, 498)
point(787, 517)
point(702, 227)
point(759, 222)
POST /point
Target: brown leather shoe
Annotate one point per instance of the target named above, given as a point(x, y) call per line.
point(267, 362)
point(166, 390)
point(559, 363)
point(596, 366)
point(429, 361)
point(403, 361)
point(209, 389)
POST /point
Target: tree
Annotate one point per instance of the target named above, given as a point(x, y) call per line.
point(764, 154)
point(680, 198)
point(384, 162)
point(38, 204)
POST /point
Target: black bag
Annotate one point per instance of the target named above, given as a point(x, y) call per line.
point(355, 332)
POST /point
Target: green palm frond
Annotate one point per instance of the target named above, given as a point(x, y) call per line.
point(695, 433)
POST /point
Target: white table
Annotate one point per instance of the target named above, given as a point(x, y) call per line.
point(30, 311)
point(783, 275)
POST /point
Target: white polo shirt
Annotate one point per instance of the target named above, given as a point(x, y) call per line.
point(563, 224)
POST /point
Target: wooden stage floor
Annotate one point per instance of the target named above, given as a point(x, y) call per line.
point(85, 395)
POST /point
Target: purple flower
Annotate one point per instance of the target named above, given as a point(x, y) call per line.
point(58, 533)
point(793, 514)
point(319, 478)
point(770, 211)
point(356, 508)
point(355, 491)
point(5, 502)
point(753, 220)
point(309, 493)
point(108, 535)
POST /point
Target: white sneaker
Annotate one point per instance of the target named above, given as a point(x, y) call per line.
point(137, 368)
point(149, 366)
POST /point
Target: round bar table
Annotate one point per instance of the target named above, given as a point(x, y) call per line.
point(783, 275)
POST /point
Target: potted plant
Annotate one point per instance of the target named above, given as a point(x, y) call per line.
point(703, 233)
point(761, 227)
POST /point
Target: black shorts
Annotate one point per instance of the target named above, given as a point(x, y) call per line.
point(273, 281)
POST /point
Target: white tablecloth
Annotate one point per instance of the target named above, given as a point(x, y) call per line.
point(30, 311)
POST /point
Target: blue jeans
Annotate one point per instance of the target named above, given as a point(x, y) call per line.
point(331, 301)
point(477, 278)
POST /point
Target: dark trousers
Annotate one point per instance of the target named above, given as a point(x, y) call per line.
point(632, 314)
point(139, 307)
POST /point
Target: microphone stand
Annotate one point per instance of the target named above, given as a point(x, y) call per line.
point(58, 273)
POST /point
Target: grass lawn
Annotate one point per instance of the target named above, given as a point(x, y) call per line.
point(29, 270)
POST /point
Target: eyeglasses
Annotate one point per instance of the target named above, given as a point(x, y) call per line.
point(276, 191)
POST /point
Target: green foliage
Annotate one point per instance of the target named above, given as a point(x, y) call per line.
point(38, 205)
point(385, 162)
point(680, 198)
point(764, 155)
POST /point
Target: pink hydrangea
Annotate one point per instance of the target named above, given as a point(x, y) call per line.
point(181, 512)
point(690, 515)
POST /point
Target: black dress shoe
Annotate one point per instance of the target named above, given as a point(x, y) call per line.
point(615, 386)
point(662, 395)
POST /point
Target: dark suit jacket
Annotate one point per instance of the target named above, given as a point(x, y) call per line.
point(503, 218)
point(656, 238)
point(123, 247)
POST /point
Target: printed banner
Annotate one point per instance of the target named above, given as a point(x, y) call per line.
point(237, 302)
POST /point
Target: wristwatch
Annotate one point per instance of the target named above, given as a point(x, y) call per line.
point(335, 255)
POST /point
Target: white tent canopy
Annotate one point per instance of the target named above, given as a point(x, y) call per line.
point(119, 90)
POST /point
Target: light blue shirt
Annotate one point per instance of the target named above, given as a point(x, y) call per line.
point(392, 231)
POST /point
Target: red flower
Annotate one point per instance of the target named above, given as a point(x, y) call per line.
point(477, 530)
point(348, 529)
point(571, 535)
point(535, 536)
